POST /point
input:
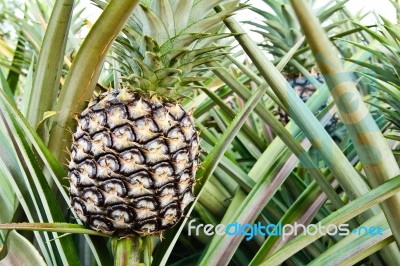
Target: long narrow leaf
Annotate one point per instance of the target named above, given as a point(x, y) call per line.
point(52, 227)
point(46, 81)
point(85, 71)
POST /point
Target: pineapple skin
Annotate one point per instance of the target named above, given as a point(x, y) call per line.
point(133, 163)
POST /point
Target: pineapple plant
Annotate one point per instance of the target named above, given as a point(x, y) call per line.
point(281, 31)
point(135, 149)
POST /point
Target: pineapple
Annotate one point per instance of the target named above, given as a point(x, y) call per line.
point(303, 88)
point(135, 150)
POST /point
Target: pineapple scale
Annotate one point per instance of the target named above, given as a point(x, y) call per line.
point(133, 161)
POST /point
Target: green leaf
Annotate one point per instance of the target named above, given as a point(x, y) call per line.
point(28, 88)
point(15, 69)
point(52, 227)
point(19, 251)
point(46, 81)
point(46, 116)
point(4, 85)
point(154, 26)
point(8, 201)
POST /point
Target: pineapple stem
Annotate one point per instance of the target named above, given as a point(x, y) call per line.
point(127, 251)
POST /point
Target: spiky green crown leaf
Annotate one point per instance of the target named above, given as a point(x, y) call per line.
point(166, 40)
point(281, 29)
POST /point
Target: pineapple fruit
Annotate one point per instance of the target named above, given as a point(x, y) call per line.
point(135, 150)
point(303, 88)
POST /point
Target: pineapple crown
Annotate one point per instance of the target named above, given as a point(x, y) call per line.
point(165, 41)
